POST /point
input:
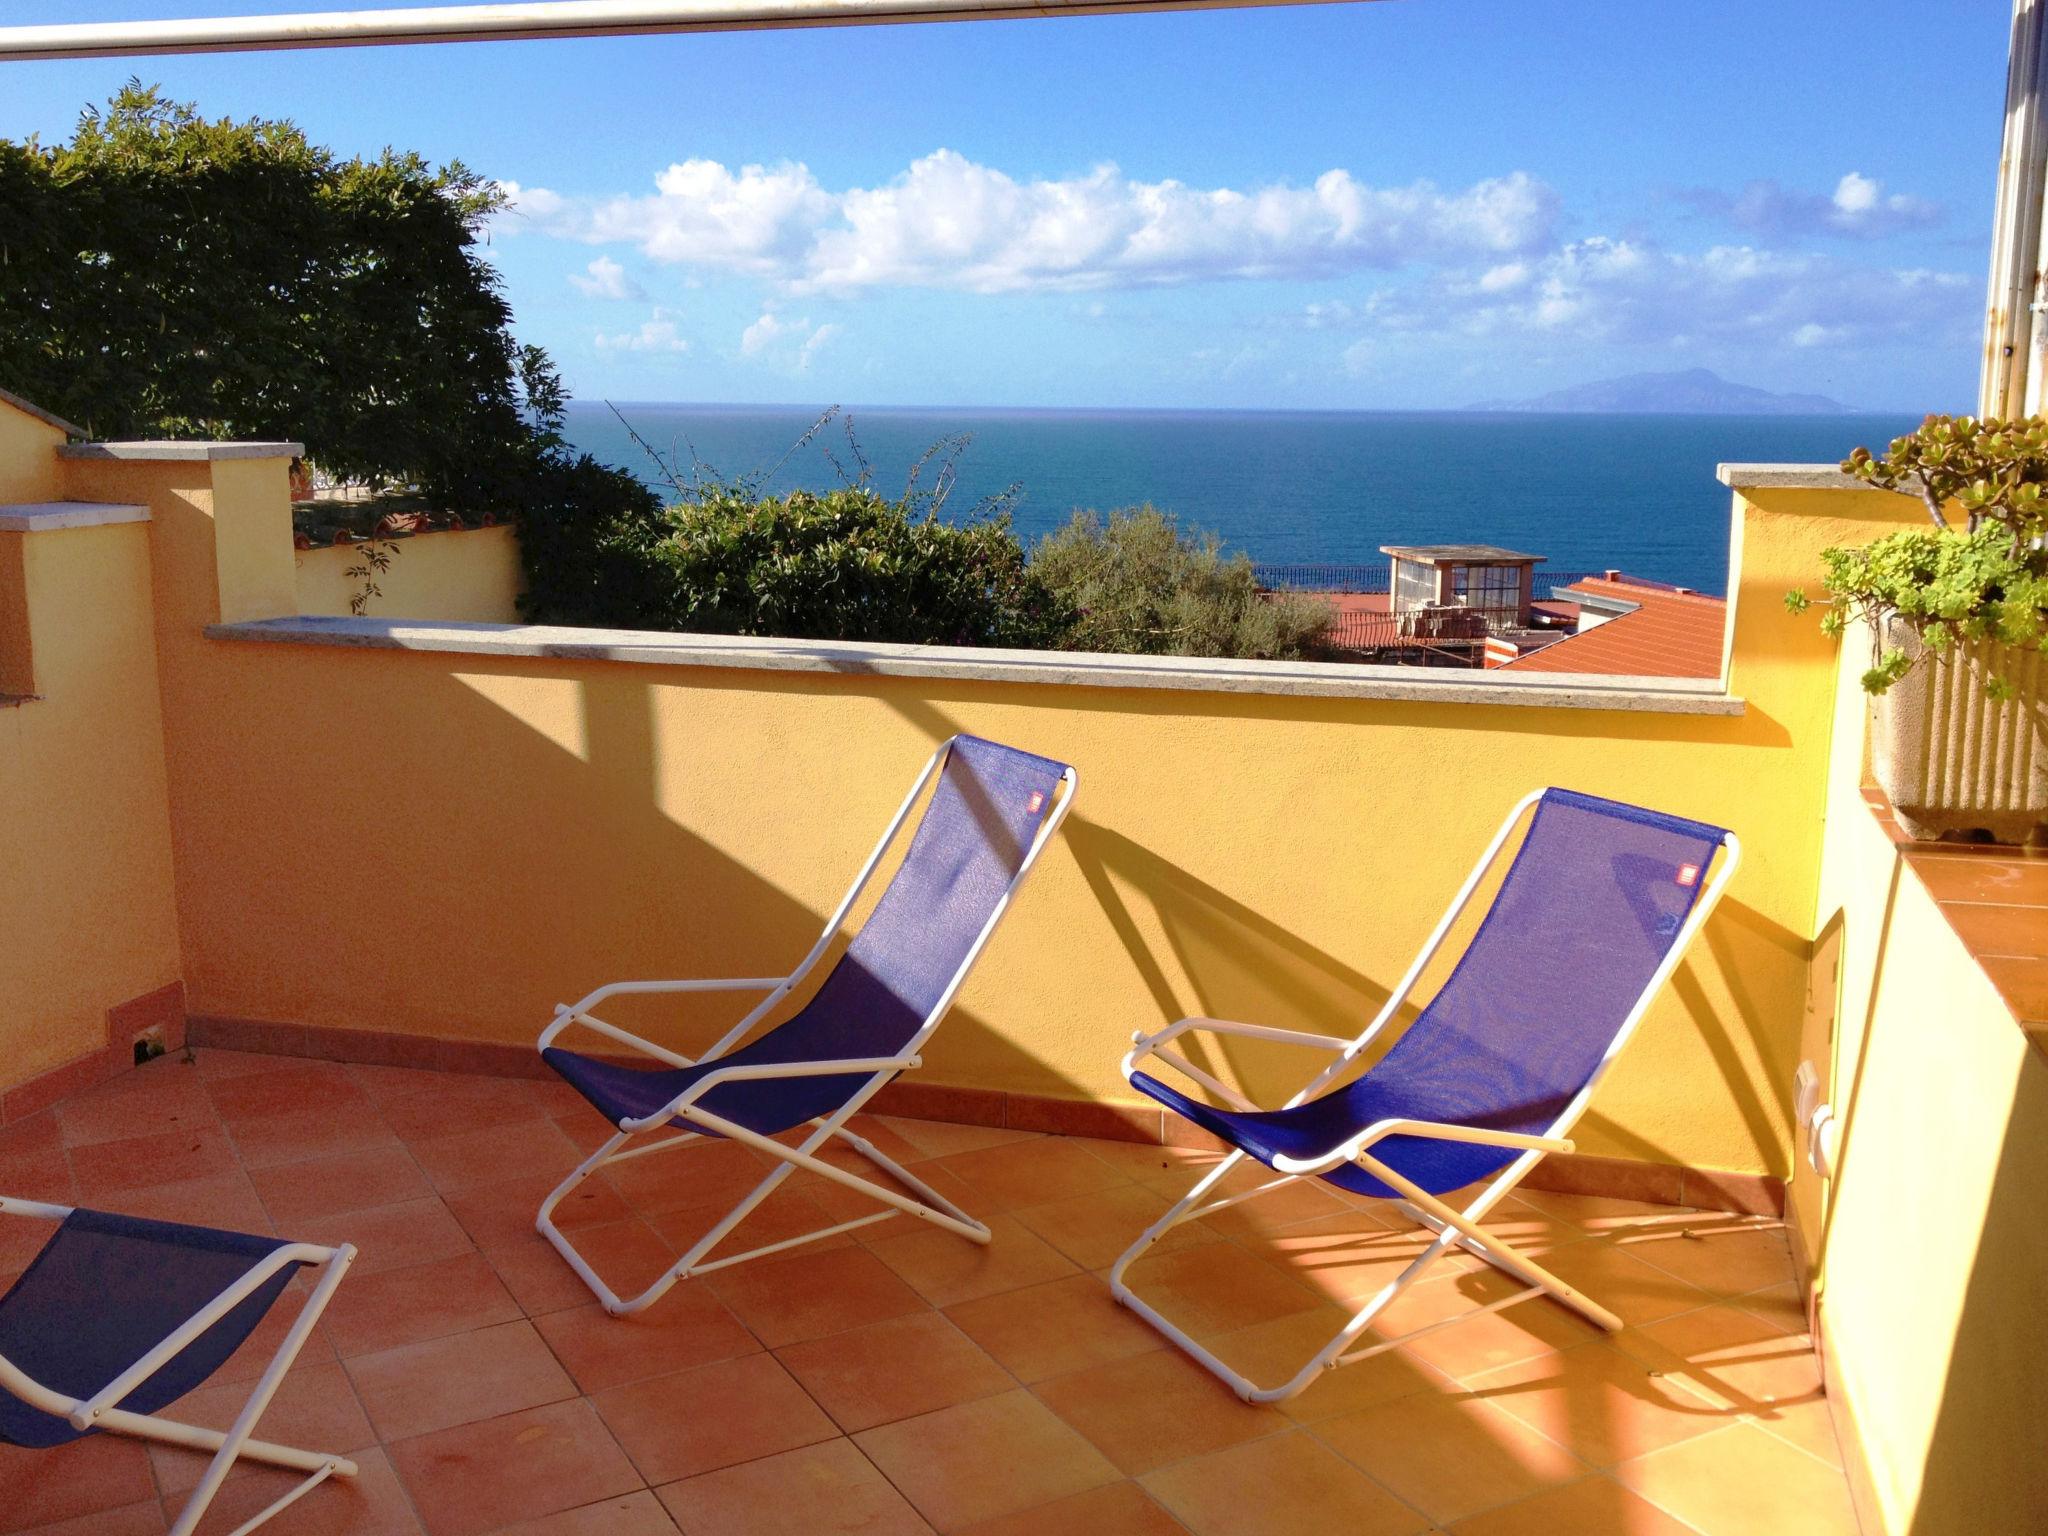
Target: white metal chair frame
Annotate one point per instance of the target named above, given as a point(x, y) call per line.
point(1453, 1227)
point(929, 1205)
point(103, 1411)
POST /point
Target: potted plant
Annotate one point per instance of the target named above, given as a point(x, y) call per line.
point(1958, 617)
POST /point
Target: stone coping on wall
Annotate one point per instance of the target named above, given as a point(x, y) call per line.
point(177, 449)
point(44, 516)
point(959, 663)
point(1790, 477)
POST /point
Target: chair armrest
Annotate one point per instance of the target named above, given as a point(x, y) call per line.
point(1434, 1130)
point(1155, 1044)
point(579, 1012)
point(755, 1071)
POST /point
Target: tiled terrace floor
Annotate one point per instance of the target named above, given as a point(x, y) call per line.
point(907, 1381)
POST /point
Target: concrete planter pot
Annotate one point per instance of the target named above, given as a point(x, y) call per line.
point(1954, 761)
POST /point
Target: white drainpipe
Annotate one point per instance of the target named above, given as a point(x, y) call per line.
point(2015, 329)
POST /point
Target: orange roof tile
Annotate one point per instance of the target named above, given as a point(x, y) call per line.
point(1669, 634)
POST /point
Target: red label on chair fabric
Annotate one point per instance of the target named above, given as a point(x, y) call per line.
point(1688, 874)
point(1037, 799)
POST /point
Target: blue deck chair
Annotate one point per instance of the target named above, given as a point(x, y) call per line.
point(117, 1317)
point(1592, 917)
point(990, 813)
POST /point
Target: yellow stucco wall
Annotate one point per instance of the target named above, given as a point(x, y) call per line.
point(85, 849)
point(1930, 1248)
point(449, 845)
point(28, 465)
point(471, 577)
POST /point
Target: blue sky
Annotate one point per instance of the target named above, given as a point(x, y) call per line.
point(1410, 203)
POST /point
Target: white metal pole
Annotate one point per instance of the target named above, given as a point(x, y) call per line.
point(2013, 333)
point(533, 19)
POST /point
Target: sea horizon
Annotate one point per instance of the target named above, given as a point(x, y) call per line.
point(1631, 491)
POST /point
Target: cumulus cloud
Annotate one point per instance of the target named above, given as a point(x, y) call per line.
point(1858, 208)
point(950, 222)
point(1611, 290)
point(606, 279)
point(776, 335)
point(661, 334)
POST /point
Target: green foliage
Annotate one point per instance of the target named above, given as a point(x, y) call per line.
point(166, 275)
point(1141, 584)
point(1985, 581)
point(850, 565)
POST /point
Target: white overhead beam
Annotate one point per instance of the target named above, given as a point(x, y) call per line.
point(534, 19)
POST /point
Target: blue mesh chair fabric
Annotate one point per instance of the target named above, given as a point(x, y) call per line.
point(104, 1292)
point(1595, 898)
point(976, 829)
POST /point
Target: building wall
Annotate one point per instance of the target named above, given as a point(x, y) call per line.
point(87, 921)
point(449, 845)
point(28, 462)
point(1930, 1253)
point(471, 577)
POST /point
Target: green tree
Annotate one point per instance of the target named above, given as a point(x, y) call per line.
point(1141, 584)
point(168, 275)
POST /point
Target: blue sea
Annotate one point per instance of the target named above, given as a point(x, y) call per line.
point(1636, 493)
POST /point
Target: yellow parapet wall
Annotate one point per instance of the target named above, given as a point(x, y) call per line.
point(470, 577)
point(86, 906)
point(448, 845)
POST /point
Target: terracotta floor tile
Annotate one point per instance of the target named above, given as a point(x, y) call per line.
point(807, 1296)
point(85, 1477)
point(1094, 1229)
point(886, 1139)
point(1350, 1257)
point(630, 1514)
point(268, 1140)
point(300, 1087)
point(1153, 1409)
point(477, 1477)
point(1745, 1364)
point(1270, 1354)
point(1606, 1405)
point(384, 1084)
point(626, 1252)
point(314, 1409)
point(1028, 1173)
point(257, 1351)
point(1741, 1481)
point(144, 1519)
point(1609, 1271)
point(1143, 1159)
point(369, 1504)
point(1299, 1200)
point(163, 1096)
point(815, 1490)
point(788, 1212)
point(717, 1173)
point(1782, 1306)
point(1450, 1456)
point(1591, 1505)
point(714, 1416)
point(1282, 1486)
point(347, 1181)
point(984, 1459)
point(1726, 1257)
point(501, 1213)
point(1049, 1330)
point(940, 1138)
point(1115, 1509)
point(1601, 1214)
point(416, 1389)
point(688, 1327)
point(1481, 1341)
point(456, 1105)
point(945, 1268)
point(216, 1063)
point(453, 1163)
point(425, 1301)
point(224, 1200)
point(168, 1157)
point(893, 1370)
point(391, 1236)
point(1217, 1288)
point(1981, 877)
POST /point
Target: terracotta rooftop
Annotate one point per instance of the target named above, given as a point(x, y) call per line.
point(1668, 632)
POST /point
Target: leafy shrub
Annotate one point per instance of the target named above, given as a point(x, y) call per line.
point(1985, 581)
point(1141, 584)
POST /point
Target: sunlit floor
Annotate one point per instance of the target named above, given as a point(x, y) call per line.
point(899, 1379)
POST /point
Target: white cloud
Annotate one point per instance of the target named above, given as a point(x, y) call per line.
point(606, 279)
point(1858, 207)
point(775, 335)
point(661, 334)
point(949, 222)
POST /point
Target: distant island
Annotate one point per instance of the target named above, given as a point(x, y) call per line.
point(1692, 392)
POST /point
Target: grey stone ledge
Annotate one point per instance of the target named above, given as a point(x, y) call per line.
point(955, 663)
point(174, 449)
point(1790, 477)
point(43, 516)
